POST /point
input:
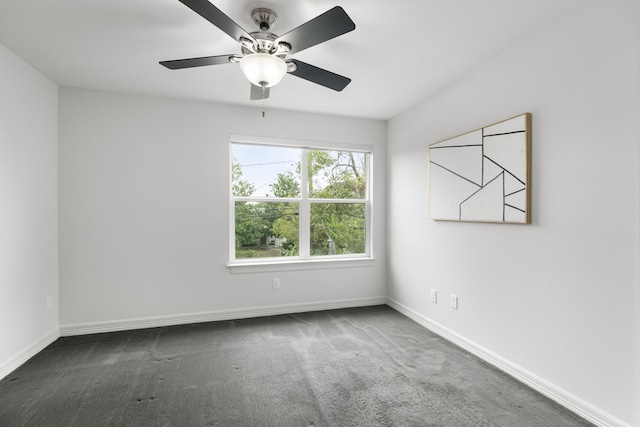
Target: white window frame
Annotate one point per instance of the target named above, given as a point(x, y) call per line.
point(304, 260)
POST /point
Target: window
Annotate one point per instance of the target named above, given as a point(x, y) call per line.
point(292, 201)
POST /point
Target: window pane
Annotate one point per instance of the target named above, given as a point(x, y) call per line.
point(337, 174)
point(338, 228)
point(266, 229)
point(262, 171)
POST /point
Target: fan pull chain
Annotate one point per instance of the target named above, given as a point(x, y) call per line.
point(263, 93)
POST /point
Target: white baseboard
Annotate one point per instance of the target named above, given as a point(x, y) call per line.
point(539, 384)
point(28, 352)
point(212, 316)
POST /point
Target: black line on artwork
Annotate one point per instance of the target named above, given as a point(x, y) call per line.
point(505, 133)
point(511, 194)
point(513, 207)
point(504, 199)
point(460, 176)
point(504, 169)
point(482, 156)
point(485, 157)
point(476, 192)
point(455, 146)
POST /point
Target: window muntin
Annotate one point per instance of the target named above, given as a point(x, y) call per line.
point(293, 202)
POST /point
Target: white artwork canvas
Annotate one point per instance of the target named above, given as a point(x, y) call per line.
point(483, 175)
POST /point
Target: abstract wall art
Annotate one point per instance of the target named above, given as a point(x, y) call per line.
point(483, 175)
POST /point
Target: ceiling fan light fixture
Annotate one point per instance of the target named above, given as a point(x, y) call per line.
point(263, 69)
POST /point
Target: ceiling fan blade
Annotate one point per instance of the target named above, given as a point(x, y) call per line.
point(332, 23)
point(214, 15)
point(258, 93)
point(319, 76)
point(177, 64)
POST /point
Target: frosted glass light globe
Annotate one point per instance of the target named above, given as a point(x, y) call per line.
point(262, 69)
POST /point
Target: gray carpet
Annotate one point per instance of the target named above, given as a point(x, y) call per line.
point(354, 367)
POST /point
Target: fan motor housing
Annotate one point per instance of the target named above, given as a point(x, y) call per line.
point(265, 42)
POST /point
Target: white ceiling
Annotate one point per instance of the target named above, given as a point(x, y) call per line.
point(400, 52)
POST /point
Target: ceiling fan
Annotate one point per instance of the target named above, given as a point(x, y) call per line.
point(264, 55)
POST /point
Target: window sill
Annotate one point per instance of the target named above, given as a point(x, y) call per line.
point(296, 265)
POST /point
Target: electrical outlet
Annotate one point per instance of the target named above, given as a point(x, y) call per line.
point(49, 303)
point(454, 302)
point(275, 284)
point(434, 296)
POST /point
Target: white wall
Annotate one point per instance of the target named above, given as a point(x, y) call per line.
point(555, 301)
point(144, 213)
point(28, 211)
